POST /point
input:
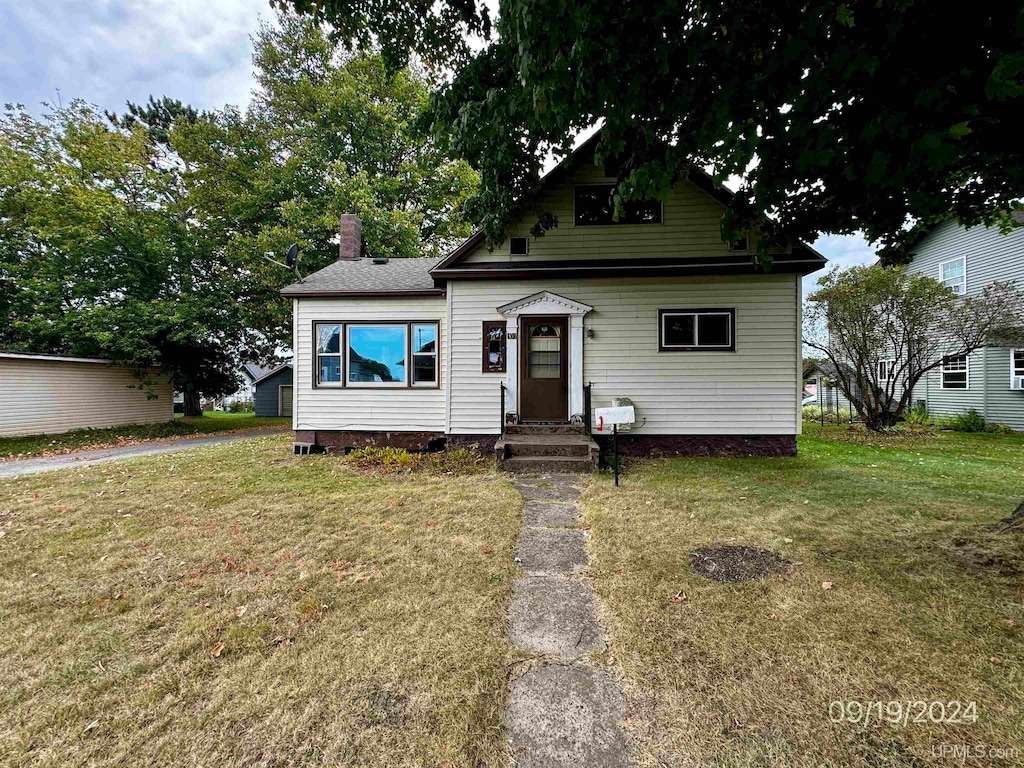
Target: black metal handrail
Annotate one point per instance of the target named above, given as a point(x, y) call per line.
point(501, 420)
point(586, 405)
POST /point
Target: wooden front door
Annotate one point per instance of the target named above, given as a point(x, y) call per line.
point(544, 369)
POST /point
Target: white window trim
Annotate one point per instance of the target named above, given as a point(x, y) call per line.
point(317, 354)
point(963, 278)
point(889, 363)
point(697, 346)
point(1016, 374)
point(942, 374)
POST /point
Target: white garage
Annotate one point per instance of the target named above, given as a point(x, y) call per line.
point(50, 394)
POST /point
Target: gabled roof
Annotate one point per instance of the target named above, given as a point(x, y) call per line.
point(271, 372)
point(254, 371)
point(803, 259)
point(364, 277)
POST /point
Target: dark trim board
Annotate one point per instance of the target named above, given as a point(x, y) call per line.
point(359, 294)
point(641, 267)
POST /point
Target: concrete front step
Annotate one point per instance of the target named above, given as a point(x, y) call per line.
point(544, 445)
point(545, 429)
point(548, 464)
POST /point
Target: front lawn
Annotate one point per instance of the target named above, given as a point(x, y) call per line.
point(128, 434)
point(898, 591)
point(237, 605)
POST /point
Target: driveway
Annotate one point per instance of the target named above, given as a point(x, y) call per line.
point(100, 455)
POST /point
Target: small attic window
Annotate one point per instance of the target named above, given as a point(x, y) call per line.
point(518, 246)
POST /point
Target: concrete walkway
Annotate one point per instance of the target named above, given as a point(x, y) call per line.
point(99, 455)
point(565, 711)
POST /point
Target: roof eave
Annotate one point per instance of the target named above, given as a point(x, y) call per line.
point(325, 294)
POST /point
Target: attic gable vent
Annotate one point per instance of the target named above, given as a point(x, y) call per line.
point(518, 246)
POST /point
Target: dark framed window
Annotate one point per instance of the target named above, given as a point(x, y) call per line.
point(518, 246)
point(696, 330)
point(593, 205)
point(739, 244)
point(360, 354)
point(494, 346)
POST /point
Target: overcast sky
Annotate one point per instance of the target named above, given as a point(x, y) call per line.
point(112, 51)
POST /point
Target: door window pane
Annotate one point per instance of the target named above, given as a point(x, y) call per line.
point(545, 352)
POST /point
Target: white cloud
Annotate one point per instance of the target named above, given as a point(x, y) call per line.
point(111, 51)
point(842, 251)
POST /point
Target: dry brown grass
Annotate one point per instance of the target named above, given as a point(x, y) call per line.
point(362, 619)
point(743, 675)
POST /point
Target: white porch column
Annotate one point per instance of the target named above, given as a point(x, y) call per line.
point(575, 365)
point(511, 365)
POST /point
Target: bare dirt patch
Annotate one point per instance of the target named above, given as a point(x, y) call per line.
point(732, 564)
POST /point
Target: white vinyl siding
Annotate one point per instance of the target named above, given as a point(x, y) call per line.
point(50, 396)
point(690, 226)
point(400, 409)
point(752, 391)
point(988, 256)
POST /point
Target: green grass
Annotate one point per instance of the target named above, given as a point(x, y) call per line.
point(81, 439)
point(358, 620)
point(925, 600)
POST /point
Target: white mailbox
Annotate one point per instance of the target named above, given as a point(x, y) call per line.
point(609, 417)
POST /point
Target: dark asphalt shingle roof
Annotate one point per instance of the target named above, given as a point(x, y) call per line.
point(363, 276)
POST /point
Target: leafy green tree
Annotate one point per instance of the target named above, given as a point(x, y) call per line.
point(101, 256)
point(839, 115)
point(328, 132)
point(862, 316)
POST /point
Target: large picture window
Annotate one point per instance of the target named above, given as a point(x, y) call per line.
point(696, 330)
point(377, 354)
point(593, 205)
point(955, 372)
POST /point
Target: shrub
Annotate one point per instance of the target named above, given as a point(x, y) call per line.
point(972, 421)
point(813, 413)
point(386, 460)
point(998, 429)
point(240, 406)
point(918, 416)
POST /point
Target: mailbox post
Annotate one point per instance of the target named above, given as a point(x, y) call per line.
point(623, 414)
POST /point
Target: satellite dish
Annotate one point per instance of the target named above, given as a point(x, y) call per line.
point(293, 254)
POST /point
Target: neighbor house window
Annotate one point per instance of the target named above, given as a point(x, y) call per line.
point(377, 354)
point(955, 372)
point(1017, 369)
point(953, 274)
point(328, 354)
point(692, 330)
point(593, 205)
point(885, 369)
point(494, 346)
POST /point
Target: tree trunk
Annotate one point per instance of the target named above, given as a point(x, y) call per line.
point(1012, 524)
point(193, 406)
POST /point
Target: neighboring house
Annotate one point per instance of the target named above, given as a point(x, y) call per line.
point(273, 393)
point(656, 308)
point(989, 380)
point(821, 382)
point(42, 394)
point(249, 374)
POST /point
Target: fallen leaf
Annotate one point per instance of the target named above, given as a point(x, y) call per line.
point(217, 650)
point(679, 597)
point(995, 660)
point(826, 585)
point(303, 575)
point(487, 550)
point(788, 540)
point(1008, 622)
point(92, 725)
point(240, 610)
point(775, 617)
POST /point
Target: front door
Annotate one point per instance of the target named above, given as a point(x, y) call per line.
point(544, 369)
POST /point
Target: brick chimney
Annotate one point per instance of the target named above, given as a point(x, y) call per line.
point(351, 237)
